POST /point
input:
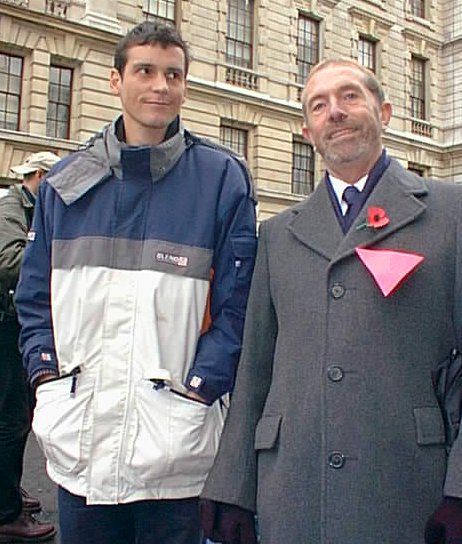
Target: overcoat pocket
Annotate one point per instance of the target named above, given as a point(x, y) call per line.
point(429, 426)
point(267, 432)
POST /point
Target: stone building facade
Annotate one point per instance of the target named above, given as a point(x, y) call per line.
point(249, 59)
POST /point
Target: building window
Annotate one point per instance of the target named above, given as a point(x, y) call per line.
point(418, 84)
point(159, 9)
point(10, 90)
point(367, 52)
point(417, 8)
point(307, 46)
point(234, 137)
point(239, 35)
point(59, 102)
point(417, 169)
point(302, 168)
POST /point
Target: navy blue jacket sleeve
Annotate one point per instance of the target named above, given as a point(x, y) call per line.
point(213, 372)
point(33, 292)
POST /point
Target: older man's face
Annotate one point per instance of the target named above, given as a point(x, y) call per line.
point(344, 119)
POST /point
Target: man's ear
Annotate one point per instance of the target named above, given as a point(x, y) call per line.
point(115, 79)
point(185, 95)
point(385, 114)
point(306, 133)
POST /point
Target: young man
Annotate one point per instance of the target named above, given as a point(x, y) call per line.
point(132, 303)
point(335, 435)
point(16, 211)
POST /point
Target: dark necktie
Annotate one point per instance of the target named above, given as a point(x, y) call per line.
point(352, 197)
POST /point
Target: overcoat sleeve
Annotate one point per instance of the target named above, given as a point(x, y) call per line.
point(234, 475)
point(13, 236)
point(453, 481)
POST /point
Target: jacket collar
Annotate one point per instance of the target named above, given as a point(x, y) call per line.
point(101, 158)
point(19, 192)
point(315, 224)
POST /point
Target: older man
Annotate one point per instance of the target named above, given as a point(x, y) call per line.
point(335, 435)
point(16, 210)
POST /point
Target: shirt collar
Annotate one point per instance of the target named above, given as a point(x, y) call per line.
point(338, 185)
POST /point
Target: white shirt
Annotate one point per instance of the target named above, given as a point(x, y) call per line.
point(339, 186)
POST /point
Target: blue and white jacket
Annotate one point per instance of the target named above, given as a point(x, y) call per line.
point(136, 275)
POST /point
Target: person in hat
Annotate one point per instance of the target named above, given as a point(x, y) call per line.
point(16, 210)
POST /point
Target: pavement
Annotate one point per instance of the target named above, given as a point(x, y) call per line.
point(37, 483)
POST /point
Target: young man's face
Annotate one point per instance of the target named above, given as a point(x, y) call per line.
point(152, 89)
point(344, 119)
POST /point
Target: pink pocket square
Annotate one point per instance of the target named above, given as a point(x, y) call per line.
point(388, 267)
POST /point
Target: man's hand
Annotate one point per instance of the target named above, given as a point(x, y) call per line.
point(227, 523)
point(445, 524)
point(43, 378)
point(195, 396)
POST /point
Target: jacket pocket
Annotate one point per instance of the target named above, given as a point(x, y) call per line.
point(173, 436)
point(244, 248)
point(267, 432)
point(60, 420)
point(429, 426)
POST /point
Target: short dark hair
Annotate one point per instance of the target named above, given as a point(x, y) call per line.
point(150, 33)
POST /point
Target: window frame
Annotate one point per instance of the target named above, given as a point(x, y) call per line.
point(235, 129)
point(298, 186)
point(20, 77)
point(232, 38)
point(418, 8)
point(314, 22)
point(372, 43)
point(55, 133)
point(418, 102)
point(149, 15)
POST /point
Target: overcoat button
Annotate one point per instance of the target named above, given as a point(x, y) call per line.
point(335, 373)
point(336, 460)
point(337, 291)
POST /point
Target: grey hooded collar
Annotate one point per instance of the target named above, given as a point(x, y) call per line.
point(100, 158)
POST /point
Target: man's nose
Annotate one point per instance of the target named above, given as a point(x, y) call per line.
point(336, 111)
point(159, 82)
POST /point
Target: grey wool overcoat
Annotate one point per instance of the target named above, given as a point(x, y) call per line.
point(334, 435)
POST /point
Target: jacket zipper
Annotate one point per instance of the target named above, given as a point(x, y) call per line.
point(73, 373)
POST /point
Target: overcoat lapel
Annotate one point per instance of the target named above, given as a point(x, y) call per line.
point(316, 225)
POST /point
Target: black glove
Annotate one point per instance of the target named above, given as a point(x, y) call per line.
point(227, 523)
point(445, 524)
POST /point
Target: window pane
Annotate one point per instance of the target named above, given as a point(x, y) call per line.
point(163, 9)
point(366, 53)
point(10, 90)
point(59, 102)
point(239, 34)
point(307, 46)
point(418, 98)
point(302, 168)
point(418, 8)
point(235, 138)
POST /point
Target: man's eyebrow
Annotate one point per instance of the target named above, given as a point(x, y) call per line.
point(147, 64)
point(347, 86)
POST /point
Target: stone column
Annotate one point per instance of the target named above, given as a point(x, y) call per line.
point(101, 14)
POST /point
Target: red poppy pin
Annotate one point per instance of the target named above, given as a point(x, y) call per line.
point(376, 218)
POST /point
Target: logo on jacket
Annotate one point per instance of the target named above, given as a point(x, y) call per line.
point(169, 258)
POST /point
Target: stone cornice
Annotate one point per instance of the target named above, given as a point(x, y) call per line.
point(59, 24)
point(381, 18)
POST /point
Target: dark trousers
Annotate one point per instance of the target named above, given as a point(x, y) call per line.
point(140, 522)
point(15, 419)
